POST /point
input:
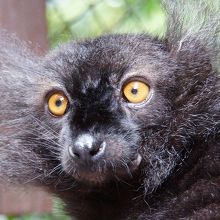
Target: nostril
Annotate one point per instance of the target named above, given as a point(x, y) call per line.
point(76, 154)
point(98, 149)
point(94, 151)
point(73, 153)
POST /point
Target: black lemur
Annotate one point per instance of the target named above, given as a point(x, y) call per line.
point(122, 126)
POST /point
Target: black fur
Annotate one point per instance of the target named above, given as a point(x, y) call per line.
point(176, 132)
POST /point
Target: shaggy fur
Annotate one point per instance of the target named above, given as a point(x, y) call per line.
point(175, 133)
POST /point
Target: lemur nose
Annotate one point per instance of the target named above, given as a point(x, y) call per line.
point(86, 148)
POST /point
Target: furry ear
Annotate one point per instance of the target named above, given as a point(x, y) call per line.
point(192, 39)
point(193, 33)
point(16, 61)
point(23, 85)
point(23, 82)
point(18, 69)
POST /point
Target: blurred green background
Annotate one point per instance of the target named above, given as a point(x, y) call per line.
point(77, 19)
point(88, 18)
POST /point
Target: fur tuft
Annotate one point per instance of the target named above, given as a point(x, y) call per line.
point(194, 21)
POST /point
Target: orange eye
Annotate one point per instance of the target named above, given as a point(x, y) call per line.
point(136, 91)
point(57, 104)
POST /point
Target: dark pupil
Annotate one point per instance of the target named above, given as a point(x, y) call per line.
point(58, 103)
point(134, 91)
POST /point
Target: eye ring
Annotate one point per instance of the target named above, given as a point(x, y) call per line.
point(135, 91)
point(57, 103)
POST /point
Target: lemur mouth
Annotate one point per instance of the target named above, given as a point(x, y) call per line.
point(98, 174)
point(131, 167)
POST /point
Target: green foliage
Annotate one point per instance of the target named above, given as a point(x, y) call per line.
point(80, 19)
point(57, 214)
point(36, 217)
